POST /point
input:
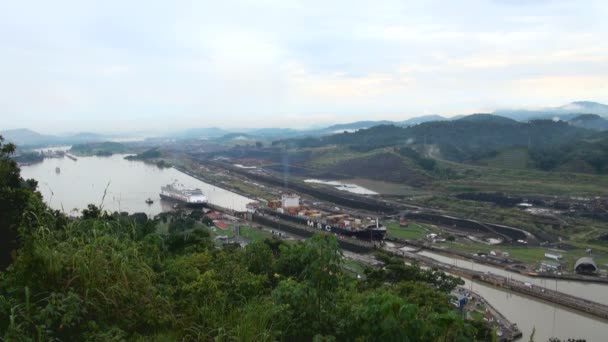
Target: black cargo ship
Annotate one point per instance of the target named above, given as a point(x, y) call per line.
point(369, 232)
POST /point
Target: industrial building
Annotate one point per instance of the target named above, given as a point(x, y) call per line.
point(290, 201)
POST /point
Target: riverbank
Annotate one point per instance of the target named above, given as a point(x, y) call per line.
point(506, 330)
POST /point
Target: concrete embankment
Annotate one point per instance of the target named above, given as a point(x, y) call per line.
point(561, 298)
point(509, 331)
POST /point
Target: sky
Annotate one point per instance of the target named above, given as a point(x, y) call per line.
point(129, 66)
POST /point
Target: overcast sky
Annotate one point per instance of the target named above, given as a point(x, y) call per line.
point(124, 65)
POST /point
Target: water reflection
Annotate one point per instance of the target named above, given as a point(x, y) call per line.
point(126, 185)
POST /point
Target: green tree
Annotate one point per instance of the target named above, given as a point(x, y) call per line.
point(15, 196)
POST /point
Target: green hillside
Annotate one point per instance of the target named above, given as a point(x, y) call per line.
point(515, 158)
point(119, 277)
point(481, 139)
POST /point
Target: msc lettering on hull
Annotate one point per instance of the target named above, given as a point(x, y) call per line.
point(319, 225)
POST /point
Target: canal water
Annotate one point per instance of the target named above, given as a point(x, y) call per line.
point(128, 183)
point(597, 292)
point(548, 319)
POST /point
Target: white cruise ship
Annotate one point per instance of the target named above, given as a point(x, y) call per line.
point(189, 197)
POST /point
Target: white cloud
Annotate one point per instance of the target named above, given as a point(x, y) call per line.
point(70, 65)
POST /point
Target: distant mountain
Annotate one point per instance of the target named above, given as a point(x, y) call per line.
point(274, 133)
point(23, 136)
point(586, 107)
point(220, 134)
point(85, 137)
point(421, 119)
point(590, 121)
point(353, 126)
point(200, 133)
point(565, 112)
point(234, 137)
point(27, 138)
point(488, 118)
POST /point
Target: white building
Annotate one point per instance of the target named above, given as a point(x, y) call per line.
point(552, 256)
point(290, 201)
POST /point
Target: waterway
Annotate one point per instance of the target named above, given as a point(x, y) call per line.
point(128, 183)
point(548, 319)
point(597, 292)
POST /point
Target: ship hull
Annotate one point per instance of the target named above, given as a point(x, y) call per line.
point(181, 202)
point(363, 234)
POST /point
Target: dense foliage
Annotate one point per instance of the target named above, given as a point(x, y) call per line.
point(115, 277)
point(15, 196)
point(28, 157)
point(550, 145)
point(152, 153)
point(591, 153)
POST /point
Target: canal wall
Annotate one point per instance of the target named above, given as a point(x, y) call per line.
point(552, 296)
point(509, 233)
point(510, 331)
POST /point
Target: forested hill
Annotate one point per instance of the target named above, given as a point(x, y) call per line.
point(469, 138)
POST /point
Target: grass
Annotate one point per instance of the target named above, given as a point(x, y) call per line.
point(411, 232)
point(476, 315)
point(529, 255)
point(253, 234)
point(352, 265)
point(520, 181)
point(524, 254)
point(517, 158)
point(508, 172)
point(576, 228)
point(251, 190)
point(330, 155)
point(248, 233)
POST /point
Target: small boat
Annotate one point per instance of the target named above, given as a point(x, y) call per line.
point(149, 201)
point(57, 170)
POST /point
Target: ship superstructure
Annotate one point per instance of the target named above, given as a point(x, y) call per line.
point(189, 197)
